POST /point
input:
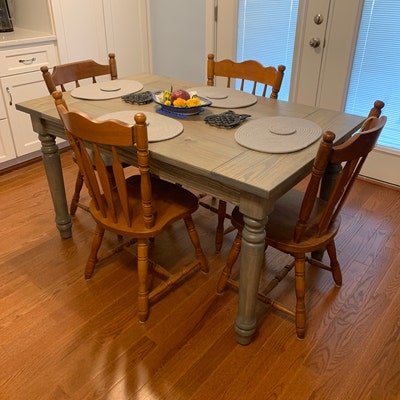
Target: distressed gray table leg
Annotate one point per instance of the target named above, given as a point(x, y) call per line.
point(252, 256)
point(327, 185)
point(52, 165)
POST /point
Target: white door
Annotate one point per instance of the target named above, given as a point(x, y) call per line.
point(326, 38)
point(320, 66)
point(127, 34)
point(80, 30)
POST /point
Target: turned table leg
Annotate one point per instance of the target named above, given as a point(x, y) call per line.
point(252, 256)
point(52, 165)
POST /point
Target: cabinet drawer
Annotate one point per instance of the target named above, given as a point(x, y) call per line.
point(26, 59)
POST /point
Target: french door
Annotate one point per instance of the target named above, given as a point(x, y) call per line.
point(324, 45)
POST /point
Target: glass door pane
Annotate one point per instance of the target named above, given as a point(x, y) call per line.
point(376, 66)
point(266, 33)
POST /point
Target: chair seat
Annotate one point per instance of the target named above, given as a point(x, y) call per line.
point(282, 221)
point(168, 209)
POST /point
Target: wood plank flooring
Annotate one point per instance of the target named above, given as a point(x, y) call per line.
point(62, 337)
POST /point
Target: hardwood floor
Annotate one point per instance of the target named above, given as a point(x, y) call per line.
point(62, 337)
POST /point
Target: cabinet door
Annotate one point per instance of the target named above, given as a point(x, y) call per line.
point(7, 151)
point(127, 35)
point(18, 88)
point(80, 30)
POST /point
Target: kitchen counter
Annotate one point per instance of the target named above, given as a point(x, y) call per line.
point(24, 37)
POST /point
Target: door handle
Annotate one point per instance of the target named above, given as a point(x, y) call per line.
point(314, 42)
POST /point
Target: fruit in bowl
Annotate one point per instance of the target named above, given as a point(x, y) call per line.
point(180, 94)
point(179, 98)
point(180, 102)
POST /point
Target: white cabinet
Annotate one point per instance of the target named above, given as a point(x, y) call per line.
point(22, 59)
point(81, 30)
point(22, 53)
point(7, 151)
point(21, 80)
point(100, 27)
point(18, 88)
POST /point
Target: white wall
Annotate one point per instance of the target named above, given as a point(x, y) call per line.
point(33, 15)
point(178, 36)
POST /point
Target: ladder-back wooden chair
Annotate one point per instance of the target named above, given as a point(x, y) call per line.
point(268, 78)
point(249, 70)
point(138, 207)
point(74, 73)
point(304, 222)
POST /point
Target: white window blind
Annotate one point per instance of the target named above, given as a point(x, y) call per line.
point(376, 66)
point(260, 22)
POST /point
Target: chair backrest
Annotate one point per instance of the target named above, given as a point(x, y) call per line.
point(351, 156)
point(107, 186)
point(77, 71)
point(376, 110)
point(249, 70)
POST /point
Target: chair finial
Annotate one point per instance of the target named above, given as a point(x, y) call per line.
point(140, 118)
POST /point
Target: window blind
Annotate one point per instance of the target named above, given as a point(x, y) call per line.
point(376, 67)
point(260, 22)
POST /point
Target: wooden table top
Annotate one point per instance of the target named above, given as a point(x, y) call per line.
point(208, 158)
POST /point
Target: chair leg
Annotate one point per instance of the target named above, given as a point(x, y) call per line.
point(232, 258)
point(96, 243)
point(335, 267)
point(299, 266)
point(219, 235)
point(194, 237)
point(143, 269)
point(75, 197)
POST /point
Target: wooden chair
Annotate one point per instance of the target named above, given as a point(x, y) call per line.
point(138, 207)
point(256, 73)
point(75, 72)
point(304, 222)
point(249, 70)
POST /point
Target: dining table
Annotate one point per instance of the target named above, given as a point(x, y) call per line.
point(209, 159)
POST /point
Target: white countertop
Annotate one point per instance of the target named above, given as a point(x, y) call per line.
point(24, 36)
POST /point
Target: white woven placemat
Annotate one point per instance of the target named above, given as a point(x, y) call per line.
point(225, 97)
point(106, 90)
point(159, 127)
point(278, 134)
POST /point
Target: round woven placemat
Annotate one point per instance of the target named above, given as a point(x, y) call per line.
point(106, 90)
point(278, 134)
point(159, 127)
point(225, 97)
